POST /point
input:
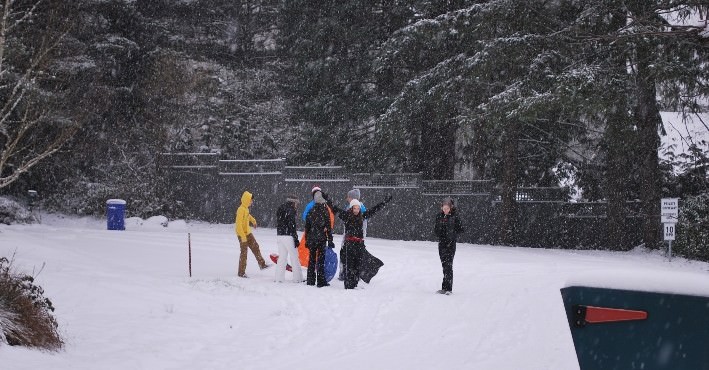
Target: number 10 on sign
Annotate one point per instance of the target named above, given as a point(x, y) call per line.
point(669, 236)
point(670, 231)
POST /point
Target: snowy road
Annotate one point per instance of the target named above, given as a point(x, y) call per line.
point(124, 301)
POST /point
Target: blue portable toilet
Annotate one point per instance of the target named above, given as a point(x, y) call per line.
point(116, 214)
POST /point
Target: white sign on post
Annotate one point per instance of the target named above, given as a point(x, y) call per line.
point(669, 231)
point(669, 210)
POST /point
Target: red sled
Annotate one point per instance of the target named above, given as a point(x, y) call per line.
point(274, 258)
point(330, 264)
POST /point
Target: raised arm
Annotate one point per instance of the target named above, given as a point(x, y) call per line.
point(340, 212)
point(372, 211)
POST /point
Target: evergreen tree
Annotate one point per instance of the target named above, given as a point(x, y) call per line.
point(540, 76)
point(652, 48)
point(327, 47)
point(148, 77)
point(494, 76)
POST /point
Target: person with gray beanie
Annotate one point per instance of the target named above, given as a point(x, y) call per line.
point(318, 236)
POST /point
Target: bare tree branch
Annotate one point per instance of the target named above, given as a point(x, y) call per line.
point(25, 139)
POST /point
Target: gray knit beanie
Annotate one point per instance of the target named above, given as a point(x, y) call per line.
point(354, 194)
point(319, 198)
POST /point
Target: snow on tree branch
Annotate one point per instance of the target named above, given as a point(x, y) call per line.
point(27, 135)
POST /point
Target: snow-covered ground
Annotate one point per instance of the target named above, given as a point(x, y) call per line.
point(124, 301)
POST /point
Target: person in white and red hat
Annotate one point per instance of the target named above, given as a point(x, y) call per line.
point(352, 194)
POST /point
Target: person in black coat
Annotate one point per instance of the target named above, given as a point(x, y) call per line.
point(353, 247)
point(287, 240)
point(318, 234)
point(447, 228)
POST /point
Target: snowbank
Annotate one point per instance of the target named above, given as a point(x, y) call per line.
point(12, 212)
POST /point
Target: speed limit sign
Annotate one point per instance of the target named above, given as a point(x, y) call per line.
point(669, 231)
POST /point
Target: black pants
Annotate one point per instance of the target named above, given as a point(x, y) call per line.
point(446, 251)
point(351, 257)
point(316, 266)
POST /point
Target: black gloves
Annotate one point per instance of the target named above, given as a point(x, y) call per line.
point(331, 244)
point(327, 200)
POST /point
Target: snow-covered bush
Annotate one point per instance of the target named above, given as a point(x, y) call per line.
point(25, 314)
point(79, 197)
point(12, 212)
point(146, 195)
point(693, 227)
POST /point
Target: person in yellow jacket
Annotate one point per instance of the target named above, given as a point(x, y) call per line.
point(242, 225)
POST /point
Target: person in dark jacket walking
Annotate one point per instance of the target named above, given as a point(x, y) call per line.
point(351, 253)
point(318, 234)
point(447, 228)
point(287, 240)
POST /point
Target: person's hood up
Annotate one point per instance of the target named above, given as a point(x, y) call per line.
point(449, 201)
point(246, 199)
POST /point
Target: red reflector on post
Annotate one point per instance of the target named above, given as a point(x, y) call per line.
point(595, 315)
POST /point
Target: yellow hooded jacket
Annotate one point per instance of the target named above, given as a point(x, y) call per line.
point(243, 217)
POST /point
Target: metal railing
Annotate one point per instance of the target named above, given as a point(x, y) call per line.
point(315, 173)
point(457, 187)
point(235, 167)
point(386, 180)
point(595, 210)
point(188, 161)
point(542, 194)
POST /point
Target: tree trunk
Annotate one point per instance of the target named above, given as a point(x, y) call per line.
point(508, 209)
point(436, 156)
point(480, 153)
point(648, 120)
point(617, 170)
